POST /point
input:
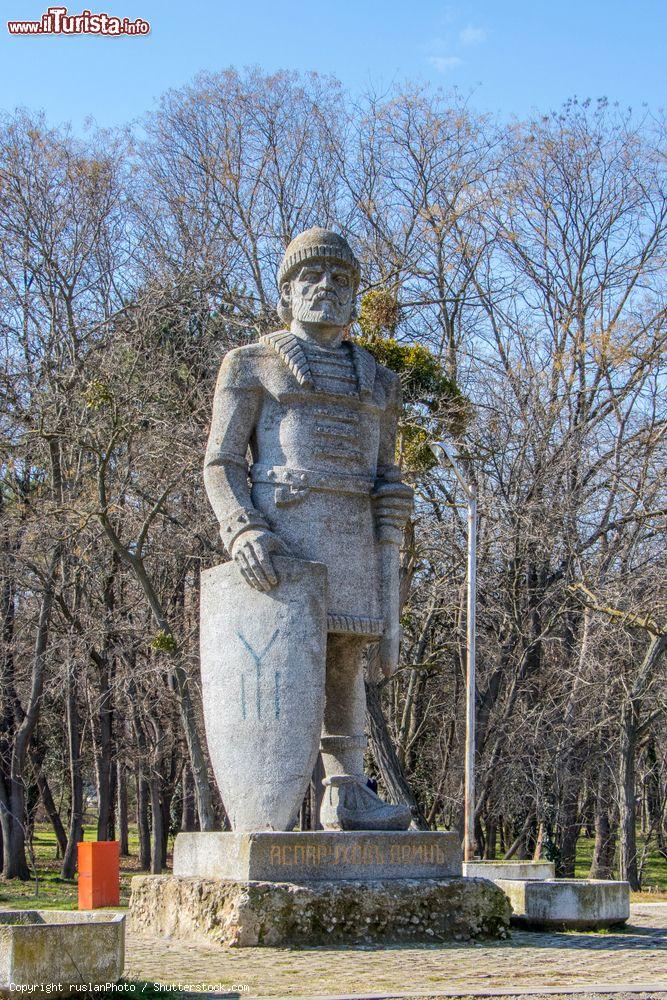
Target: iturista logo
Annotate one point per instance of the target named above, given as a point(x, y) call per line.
point(57, 21)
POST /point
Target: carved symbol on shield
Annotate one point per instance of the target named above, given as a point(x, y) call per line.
point(263, 661)
point(257, 659)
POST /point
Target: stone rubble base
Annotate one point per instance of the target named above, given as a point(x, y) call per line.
point(248, 914)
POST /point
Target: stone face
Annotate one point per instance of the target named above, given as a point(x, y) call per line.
point(274, 914)
point(567, 903)
point(509, 869)
point(263, 672)
point(39, 947)
point(322, 856)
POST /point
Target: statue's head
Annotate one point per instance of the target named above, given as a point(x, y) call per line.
point(318, 279)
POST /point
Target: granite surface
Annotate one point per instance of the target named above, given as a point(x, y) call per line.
point(321, 855)
point(318, 415)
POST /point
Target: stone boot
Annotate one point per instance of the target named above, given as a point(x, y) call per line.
point(349, 804)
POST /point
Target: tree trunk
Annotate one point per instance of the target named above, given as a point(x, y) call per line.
point(17, 864)
point(490, 841)
point(105, 765)
point(305, 811)
point(167, 786)
point(387, 762)
point(7, 700)
point(143, 823)
point(123, 832)
point(142, 781)
point(166, 823)
point(5, 822)
point(480, 840)
point(518, 845)
point(188, 812)
point(73, 724)
point(316, 793)
point(157, 829)
point(602, 865)
point(628, 868)
point(51, 809)
point(569, 828)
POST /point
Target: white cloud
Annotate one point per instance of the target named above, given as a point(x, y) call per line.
point(444, 64)
point(472, 36)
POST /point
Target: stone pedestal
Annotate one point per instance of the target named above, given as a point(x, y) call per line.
point(241, 889)
point(318, 856)
point(280, 914)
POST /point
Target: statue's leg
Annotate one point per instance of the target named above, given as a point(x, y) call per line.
point(348, 802)
point(343, 740)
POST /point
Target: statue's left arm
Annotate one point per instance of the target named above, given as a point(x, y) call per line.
point(392, 501)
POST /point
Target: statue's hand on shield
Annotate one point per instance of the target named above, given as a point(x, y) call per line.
point(252, 554)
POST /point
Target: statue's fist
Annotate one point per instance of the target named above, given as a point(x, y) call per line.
point(252, 554)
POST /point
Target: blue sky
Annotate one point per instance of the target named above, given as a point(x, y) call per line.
point(512, 56)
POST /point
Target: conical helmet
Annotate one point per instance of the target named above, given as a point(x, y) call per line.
point(317, 244)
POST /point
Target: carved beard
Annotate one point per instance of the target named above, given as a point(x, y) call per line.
point(330, 310)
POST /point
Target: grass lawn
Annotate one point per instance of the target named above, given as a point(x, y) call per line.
point(654, 871)
point(50, 891)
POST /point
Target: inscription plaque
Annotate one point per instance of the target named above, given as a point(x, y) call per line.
point(324, 855)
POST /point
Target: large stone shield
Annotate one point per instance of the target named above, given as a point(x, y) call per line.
point(263, 661)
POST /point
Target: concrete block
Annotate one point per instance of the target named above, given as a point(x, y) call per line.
point(61, 949)
point(564, 904)
point(248, 914)
point(318, 856)
point(509, 869)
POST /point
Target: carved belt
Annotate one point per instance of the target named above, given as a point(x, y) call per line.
point(293, 485)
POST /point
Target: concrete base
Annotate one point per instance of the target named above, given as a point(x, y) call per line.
point(319, 856)
point(567, 904)
point(245, 914)
point(59, 949)
point(509, 869)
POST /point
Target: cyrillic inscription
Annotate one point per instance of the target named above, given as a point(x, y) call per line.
point(356, 854)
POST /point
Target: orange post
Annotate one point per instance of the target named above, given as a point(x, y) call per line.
point(99, 873)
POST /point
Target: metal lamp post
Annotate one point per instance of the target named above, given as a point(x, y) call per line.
point(446, 456)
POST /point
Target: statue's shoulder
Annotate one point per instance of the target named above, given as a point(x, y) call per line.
point(387, 381)
point(245, 367)
point(364, 358)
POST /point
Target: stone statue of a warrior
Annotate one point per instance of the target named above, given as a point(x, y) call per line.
point(318, 415)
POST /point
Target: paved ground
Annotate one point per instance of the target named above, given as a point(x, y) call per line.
point(625, 961)
point(584, 994)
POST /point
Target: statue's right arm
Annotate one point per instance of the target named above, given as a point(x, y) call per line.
point(236, 408)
